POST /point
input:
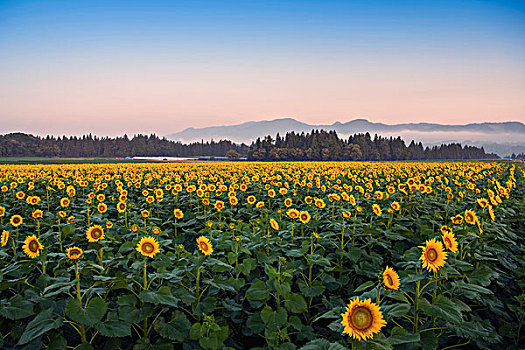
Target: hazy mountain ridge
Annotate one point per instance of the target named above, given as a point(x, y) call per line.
point(502, 138)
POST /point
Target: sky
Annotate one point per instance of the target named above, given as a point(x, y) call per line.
point(114, 67)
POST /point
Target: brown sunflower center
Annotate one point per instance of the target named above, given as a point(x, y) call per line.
point(74, 252)
point(432, 255)
point(148, 247)
point(16, 220)
point(96, 233)
point(361, 318)
point(448, 243)
point(33, 246)
point(203, 246)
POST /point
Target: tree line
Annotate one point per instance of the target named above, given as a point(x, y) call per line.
point(317, 145)
point(520, 156)
point(24, 145)
point(326, 145)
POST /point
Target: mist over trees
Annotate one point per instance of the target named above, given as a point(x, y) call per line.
point(317, 145)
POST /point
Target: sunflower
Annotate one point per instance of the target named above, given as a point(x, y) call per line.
point(121, 207)
point(32, 246)
point(445, 229)
point(233, 200)
point(62, 214)
point(274, 224)
point(64, 202)
point(450, 240)
point(2, 211)
point(204, 245)
point(219, 205)
point(16, 220)
point(483, 202)
point(259, 204)
point(319, 203)
point(134, 228)
point(390, 278)
point(37, 214)
point(251, 199)
point(5, 237)
point(377, 209)
point(293, 213)
point(305, 217)
point(470, 217)
point(178, 213)
point(145, 214)
point(109, 224)
point(362, 319)
point(102, 208)
point(74, 253)
point(457, 220)
point(491, 213)
point(155, 230)
point(347, 214)
point(433, 256)
point(148, 246)
point(396, 206)
point(95, 233)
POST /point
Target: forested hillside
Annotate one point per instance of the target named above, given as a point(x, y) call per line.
point(322, 145)
point(24, 145)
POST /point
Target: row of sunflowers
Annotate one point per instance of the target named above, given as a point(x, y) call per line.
point(314, 255)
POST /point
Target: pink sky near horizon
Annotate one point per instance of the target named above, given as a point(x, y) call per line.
point(119, 100)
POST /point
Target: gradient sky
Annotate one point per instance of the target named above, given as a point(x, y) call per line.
point(115, 67)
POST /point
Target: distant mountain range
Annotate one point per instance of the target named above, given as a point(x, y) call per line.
point(502, 138)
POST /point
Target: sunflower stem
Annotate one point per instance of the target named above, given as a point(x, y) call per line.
point(100, 253)
point(145, 287)
point(79, 297)
point(197, 280)
point(416, 306)
point(14, 246)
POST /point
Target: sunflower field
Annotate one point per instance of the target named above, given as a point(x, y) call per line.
point(328, 255)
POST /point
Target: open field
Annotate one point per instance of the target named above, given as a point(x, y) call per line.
point(303, 255)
